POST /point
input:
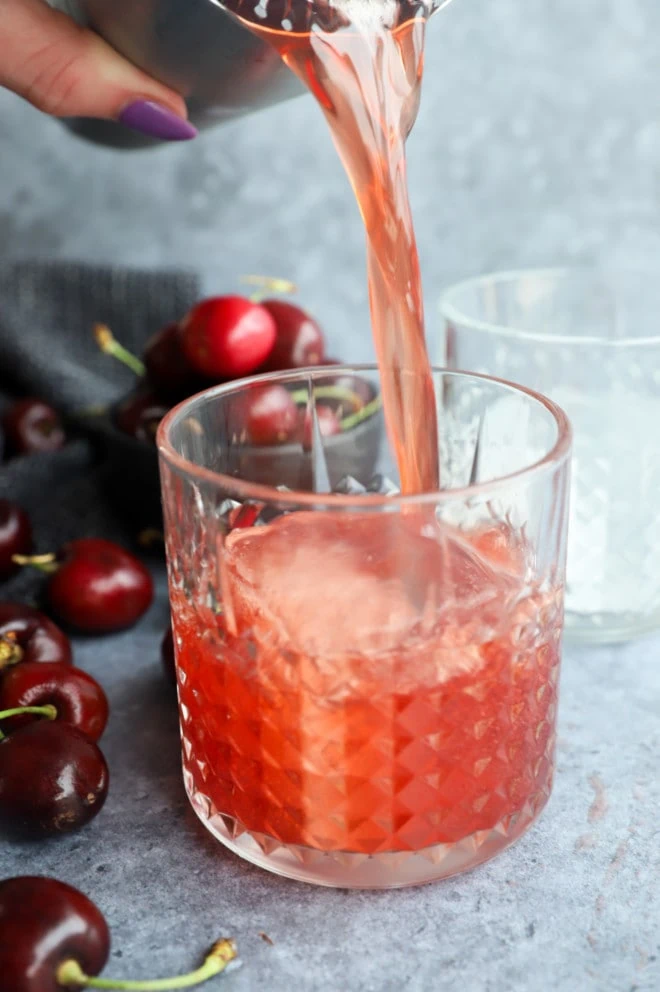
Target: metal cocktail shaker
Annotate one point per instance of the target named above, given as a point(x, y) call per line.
point(222, 69)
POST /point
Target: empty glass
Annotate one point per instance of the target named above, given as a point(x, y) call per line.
point(589, 339)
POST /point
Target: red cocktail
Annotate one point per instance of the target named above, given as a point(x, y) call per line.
point(368, 684)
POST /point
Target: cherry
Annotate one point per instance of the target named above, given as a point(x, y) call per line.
point(32, 426)
point(299, 341)
point(226, 337)
point(271, 415)
point(96, 586)
point(139, 414)
point(27, 636)
point(167, 367)
point(167, 656)
point(244, 515)
point(15, 536)
point(328, 423)
point(78, 698)
point(53, 780)
point(44, 923)
point(52, 938)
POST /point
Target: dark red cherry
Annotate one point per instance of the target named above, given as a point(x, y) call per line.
point(99, 587)
point(299, 340)
point(78, 698)
point(27, 636)
point(43, 923)
point(53, 780)
point(226, 337)
point(32, 426)
point(167, 367)
point(140, 413)
point(271, 416)
point(15, 536)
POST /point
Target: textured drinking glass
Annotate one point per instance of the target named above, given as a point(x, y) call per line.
point(591, 341)
point(367, 682)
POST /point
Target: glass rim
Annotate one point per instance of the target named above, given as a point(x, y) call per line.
point(554, 457)
point(455, 314)
point(418, 15)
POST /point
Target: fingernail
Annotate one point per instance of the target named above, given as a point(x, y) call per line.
point(156, 121)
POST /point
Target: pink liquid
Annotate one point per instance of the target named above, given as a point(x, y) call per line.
point(327, 707)
point(366, 77)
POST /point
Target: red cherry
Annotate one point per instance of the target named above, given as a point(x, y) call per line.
point(167, 656)
point(78, 698)
point(167, 367)
point(271, 416)
point(53, 780)
point(244, 515)
point(328, 422)
point(226, 337)
point(99, 587)
point(299, 341)
point(139, 414)
point(32, 426)
point(15, 536)
point(29, 636)
point(43, 923)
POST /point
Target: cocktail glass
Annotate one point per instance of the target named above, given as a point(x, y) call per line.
point(367, 681)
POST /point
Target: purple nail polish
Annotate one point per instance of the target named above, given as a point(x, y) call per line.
point(157, 121)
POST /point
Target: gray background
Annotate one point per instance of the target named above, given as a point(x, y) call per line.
point(538, 142)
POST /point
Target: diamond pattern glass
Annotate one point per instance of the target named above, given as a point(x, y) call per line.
point(591, 341)
point(368, 683)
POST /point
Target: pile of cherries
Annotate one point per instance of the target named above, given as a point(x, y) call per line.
point(52, 714)
point(53, 776)
point(225, 338)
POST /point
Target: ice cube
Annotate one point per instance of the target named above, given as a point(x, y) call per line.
point(335, 584)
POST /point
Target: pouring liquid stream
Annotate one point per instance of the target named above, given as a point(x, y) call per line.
point(363, 62)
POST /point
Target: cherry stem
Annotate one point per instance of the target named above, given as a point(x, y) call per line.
point(301, 396)
point(10, 650)
point(70, 974)
point(47, 711)
point(109, 345)
point(348, 423)
point(45, 563)
point(361, 413)
point(268, 284)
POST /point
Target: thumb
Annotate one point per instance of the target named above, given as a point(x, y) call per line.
point(68, 71)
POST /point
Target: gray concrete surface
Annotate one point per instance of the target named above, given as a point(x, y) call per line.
point(538, 142)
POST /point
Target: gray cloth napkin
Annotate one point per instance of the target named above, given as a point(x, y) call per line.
point(47, 349)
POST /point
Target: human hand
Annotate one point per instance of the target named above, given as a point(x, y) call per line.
point(68, 71)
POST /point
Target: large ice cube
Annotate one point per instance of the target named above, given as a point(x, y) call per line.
point(328, 584)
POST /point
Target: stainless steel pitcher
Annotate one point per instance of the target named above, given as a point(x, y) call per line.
point(194, 46)
point(197, 48)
